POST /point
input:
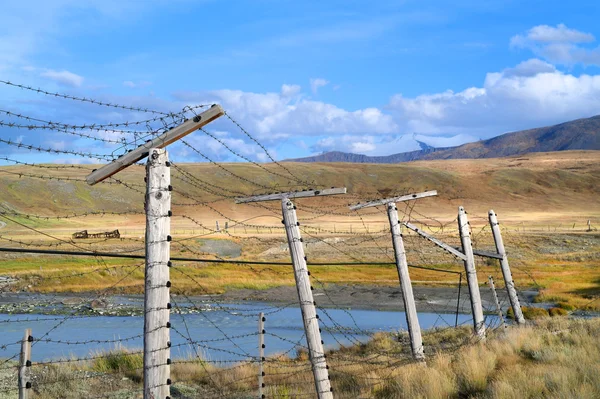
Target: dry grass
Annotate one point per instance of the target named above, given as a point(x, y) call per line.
point(552, 358)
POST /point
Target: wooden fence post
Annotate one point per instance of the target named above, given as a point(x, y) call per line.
point(24, 365)
point(475, 295)
point(157, 376)
point(307, 305)
point(410, 309)
point(498, 308)
point(506, 274)
point(261, 354)
point(310, 318)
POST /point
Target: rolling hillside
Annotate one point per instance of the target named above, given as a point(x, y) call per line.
point(565, 181)
point(580, 134)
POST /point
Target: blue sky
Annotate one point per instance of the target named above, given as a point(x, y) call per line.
point(303, 77)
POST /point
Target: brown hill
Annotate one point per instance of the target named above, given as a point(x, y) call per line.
point(580, 134)
point(542, 182)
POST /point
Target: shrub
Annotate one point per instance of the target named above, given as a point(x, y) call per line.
point(553, 312)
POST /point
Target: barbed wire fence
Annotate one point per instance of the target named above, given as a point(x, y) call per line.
point(83, 309)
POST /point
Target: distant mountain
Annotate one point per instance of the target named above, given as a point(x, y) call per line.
point(580, 134)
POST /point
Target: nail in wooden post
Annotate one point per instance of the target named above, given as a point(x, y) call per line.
point(508, 280)
point(309, 314)
point(156, 295)
point(261, 354)
point(475, 295)
point(307, 304)
point(498, 308)
point(410, 309)
point(24, 365)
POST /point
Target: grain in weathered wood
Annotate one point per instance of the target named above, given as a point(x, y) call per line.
point(161, 141)
point(307, 305)
point(156, 295)
point(496, 302)
point(410, 309)
point(261, 355)
point(475, 295)
point(291, 195)
point(506, 273)
point(25, 366)
point(401, 198)
point(434, 240)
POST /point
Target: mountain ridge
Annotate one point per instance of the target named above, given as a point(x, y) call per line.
point(579, 134)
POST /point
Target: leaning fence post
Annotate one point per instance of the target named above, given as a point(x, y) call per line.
point(261, 354)
point(508, 280)
point(495, 296)
point(24, 365)
point(475, 295)
point(157, 374)
point(307, 305)
point(410, 309)
point(310, 318)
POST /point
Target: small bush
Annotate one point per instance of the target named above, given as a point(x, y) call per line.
point(566, 306)
point(532, 313)
point(553, 312)
point(120, 361)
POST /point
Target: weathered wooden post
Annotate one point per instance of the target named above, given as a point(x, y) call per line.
point(495, 296)
point(307, 303)
point(157, 379)
point(261, 354)
point(157, 375)
point(410, 309)
point(506, 274)
point(310, 318)
point(24, 365)
point(475, 295)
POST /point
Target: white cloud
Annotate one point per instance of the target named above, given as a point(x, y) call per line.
point(136, 85)
point(271, 115)
point(560, 44)
point(290, 90)
point(315, 83)
point(532, 94)
point(551, 34)
point(63, 77)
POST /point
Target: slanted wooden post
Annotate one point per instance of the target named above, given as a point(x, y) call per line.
point(310, 318)
point(24, 365)
point(475, 295)
point(156, 299)
point(506, 274)
point(261, 354)
point(498, 308)
point(410, 309)
point(307, 303)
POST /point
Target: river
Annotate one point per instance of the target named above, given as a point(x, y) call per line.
point(222, 332)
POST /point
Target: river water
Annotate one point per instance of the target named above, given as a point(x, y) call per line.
point(226, 332)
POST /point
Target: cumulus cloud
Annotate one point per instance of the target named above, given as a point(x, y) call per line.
point(316, 83)
point(559, 44)
point(290, 90)
point(279, 114)
point(532, 94)
point(63, 77)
